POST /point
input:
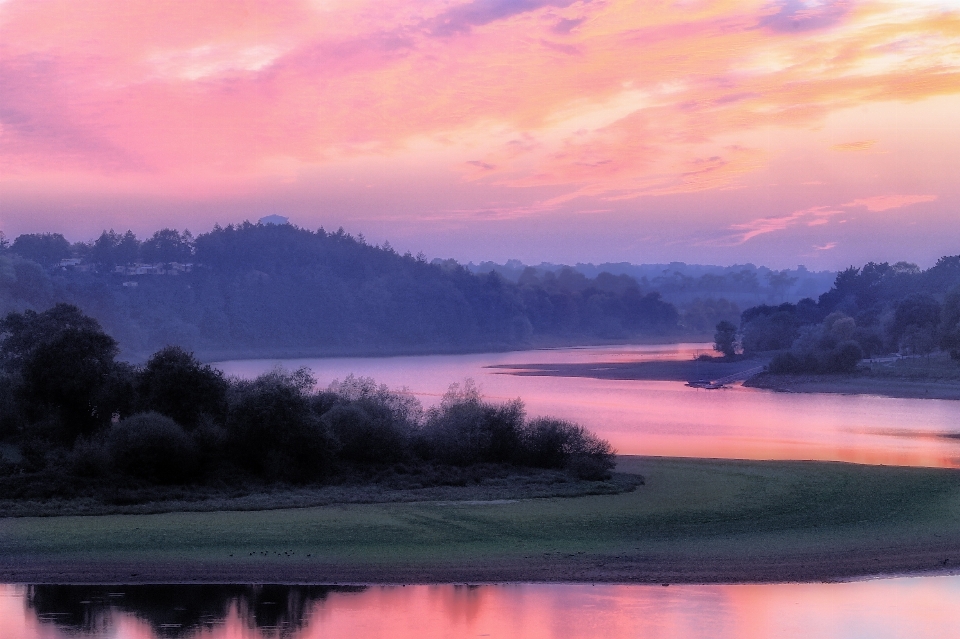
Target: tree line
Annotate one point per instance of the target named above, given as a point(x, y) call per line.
point(75, 411)
point(254, 287)
point(870, 311)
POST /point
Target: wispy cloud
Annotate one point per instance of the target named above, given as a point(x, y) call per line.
point(885, 202)
point(462, 18)
point(859, 145)
point(743, 232)
point(793, 16)
point(572, 105)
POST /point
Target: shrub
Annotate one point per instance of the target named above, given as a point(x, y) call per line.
point(554, 443)
point(175, 384)
point(465, 430)
point(366, 433)
point(843, 358)
point(153, 447)
point(274, 432)
point(90, 458)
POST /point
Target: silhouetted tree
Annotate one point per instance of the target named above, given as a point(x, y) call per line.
point(62, 365)
point(46, 249)
point(915, 323)
point(175, 384)
point(950, 324)
point(168, 245)
point(769, 328)
point(725, 339)
point(113, 249)
point(273, 430)
point(153, 447)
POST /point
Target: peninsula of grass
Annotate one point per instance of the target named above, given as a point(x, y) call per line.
point(935, 376)
point(693, 520)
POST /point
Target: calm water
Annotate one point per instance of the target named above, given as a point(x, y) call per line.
point(668, 418)
point(880, 609)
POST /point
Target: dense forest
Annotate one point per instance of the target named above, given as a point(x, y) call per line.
point(684, 285)
point(876, 310)
point(276, 288)
point(79, 419)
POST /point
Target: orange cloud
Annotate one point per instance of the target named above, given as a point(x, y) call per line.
point(567, 100)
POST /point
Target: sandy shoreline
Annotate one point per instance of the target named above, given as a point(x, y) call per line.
point(815, 567)
point(860, 383)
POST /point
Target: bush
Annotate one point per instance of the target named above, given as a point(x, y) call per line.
point(90, 458)
point(554, 443)
point(465, 430)
point(843, 358)
point(273, 430)
point(153, 447)
point(366, 433)
point(175, 384)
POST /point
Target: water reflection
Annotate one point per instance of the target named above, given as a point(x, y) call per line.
point(668, 418)
point(176, 610)
point(904, 607)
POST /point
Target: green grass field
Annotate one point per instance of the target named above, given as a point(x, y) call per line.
point(694, 520)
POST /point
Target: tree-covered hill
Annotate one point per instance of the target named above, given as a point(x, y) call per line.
point(257, 289)
point(875, 310)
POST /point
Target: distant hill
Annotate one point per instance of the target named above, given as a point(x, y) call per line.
point(680, 283)
point(879, 309)
point(275, 289)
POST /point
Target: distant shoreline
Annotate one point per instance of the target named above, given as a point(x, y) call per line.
point(858, 384)
point(694, 521)
point(886, 383)
point(223, 355)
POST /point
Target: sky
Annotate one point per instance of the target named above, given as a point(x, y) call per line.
point(815, 132)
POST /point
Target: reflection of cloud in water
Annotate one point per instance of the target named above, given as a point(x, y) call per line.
point(907, 433)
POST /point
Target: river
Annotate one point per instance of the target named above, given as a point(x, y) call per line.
point(638, 417)
point(668, 418)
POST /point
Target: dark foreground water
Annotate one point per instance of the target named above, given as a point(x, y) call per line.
point(878, 609)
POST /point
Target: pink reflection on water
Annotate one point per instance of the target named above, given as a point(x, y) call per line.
point(903, 607)
point(671, 419)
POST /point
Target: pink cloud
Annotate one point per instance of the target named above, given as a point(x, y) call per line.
point(858, 145)
point(886, 202)
point(743, 232)
point(566, 106)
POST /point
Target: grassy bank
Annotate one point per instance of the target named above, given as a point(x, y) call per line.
point(693, 521)
point(481, 482)
point(933, 377)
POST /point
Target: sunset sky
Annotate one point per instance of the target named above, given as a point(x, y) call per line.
point(816, 132)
